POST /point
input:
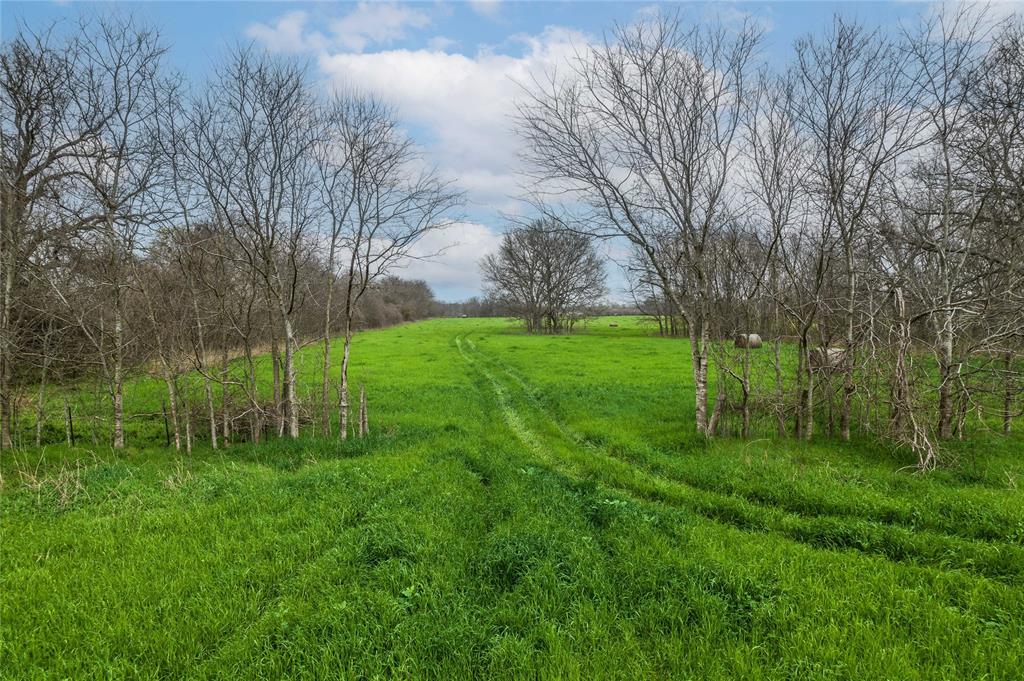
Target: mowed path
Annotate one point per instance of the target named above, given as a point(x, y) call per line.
point(558, 446)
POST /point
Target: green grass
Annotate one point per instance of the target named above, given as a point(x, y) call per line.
point(526, 507)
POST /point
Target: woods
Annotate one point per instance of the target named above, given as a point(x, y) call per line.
point(154, 225)
point(863, 203)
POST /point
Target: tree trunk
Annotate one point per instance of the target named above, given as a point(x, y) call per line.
point(225, 407)
point(275, 358)
point(780, 395)
point(9, 259)
point(207, 388)
point(187, 414)
point(343, 402)
point(808, 407)
point(256, 409)
point(946, 376)
point(210, 410)
point(716, 414)
point(5, 405)
point(1008, 394)
point(698, 355)
point(325, 388)
point(41, 403)
point(290, 400)
point(167, 427)
point(172, 397)
point(848, 363)
point(801, 392)
point(896, 399)
point(118, 391)
point(746, 394)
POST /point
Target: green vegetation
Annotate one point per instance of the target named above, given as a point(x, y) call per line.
point(525, 506)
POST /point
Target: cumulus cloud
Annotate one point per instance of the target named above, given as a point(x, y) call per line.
point(376, 23)
point(368, 24)
point(287, 34)
point(459, 107)
point(463, 103)
point(450, 259)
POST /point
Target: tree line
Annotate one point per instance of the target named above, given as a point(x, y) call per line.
point(864, 203)
point(153, 224)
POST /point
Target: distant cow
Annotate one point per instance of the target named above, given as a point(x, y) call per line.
point(827, 359)
point(748, 340)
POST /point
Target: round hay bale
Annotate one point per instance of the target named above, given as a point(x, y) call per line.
point(827, 358)
point(747, 340)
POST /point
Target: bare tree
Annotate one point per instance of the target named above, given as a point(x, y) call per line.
point(47, 120)
point(548, 277)
point(859, 110)
point(350, 123)
point(116, 173)
point(644, 133)
point(993, 157)
point(380, 202)
point(777, 180)
point(263, 129)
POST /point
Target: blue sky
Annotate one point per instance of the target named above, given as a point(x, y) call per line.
point(451, 70)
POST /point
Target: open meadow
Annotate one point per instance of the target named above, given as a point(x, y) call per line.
point(511, 340)
point(524, 507)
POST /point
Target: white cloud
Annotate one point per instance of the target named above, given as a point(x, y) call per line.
point(368, 24)
point(455, 273)
point(376, 23)
point(463, 103)
point(487, 8)
point(440, 43)
point(459, 108)
point(288, 33)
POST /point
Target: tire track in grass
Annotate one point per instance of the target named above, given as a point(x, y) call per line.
point(508, 412)
point(751, 495)
point(563, 452)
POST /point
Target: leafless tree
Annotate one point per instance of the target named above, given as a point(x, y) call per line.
point(261, 133)
point(858, 107)
point(547, 276)
point(47, 119)
point(642, 133)
point(115, 172)
point(380, 202)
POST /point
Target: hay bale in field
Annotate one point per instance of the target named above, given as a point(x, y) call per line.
point(748, 340)
point(827, 359)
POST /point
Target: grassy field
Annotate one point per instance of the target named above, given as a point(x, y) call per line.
point(525, 507)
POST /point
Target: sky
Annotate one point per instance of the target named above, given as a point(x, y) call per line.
point(452, 70)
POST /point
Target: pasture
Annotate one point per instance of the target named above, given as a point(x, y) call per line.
point(524, 507)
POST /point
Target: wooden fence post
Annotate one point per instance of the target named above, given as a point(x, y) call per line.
point(69, 425)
